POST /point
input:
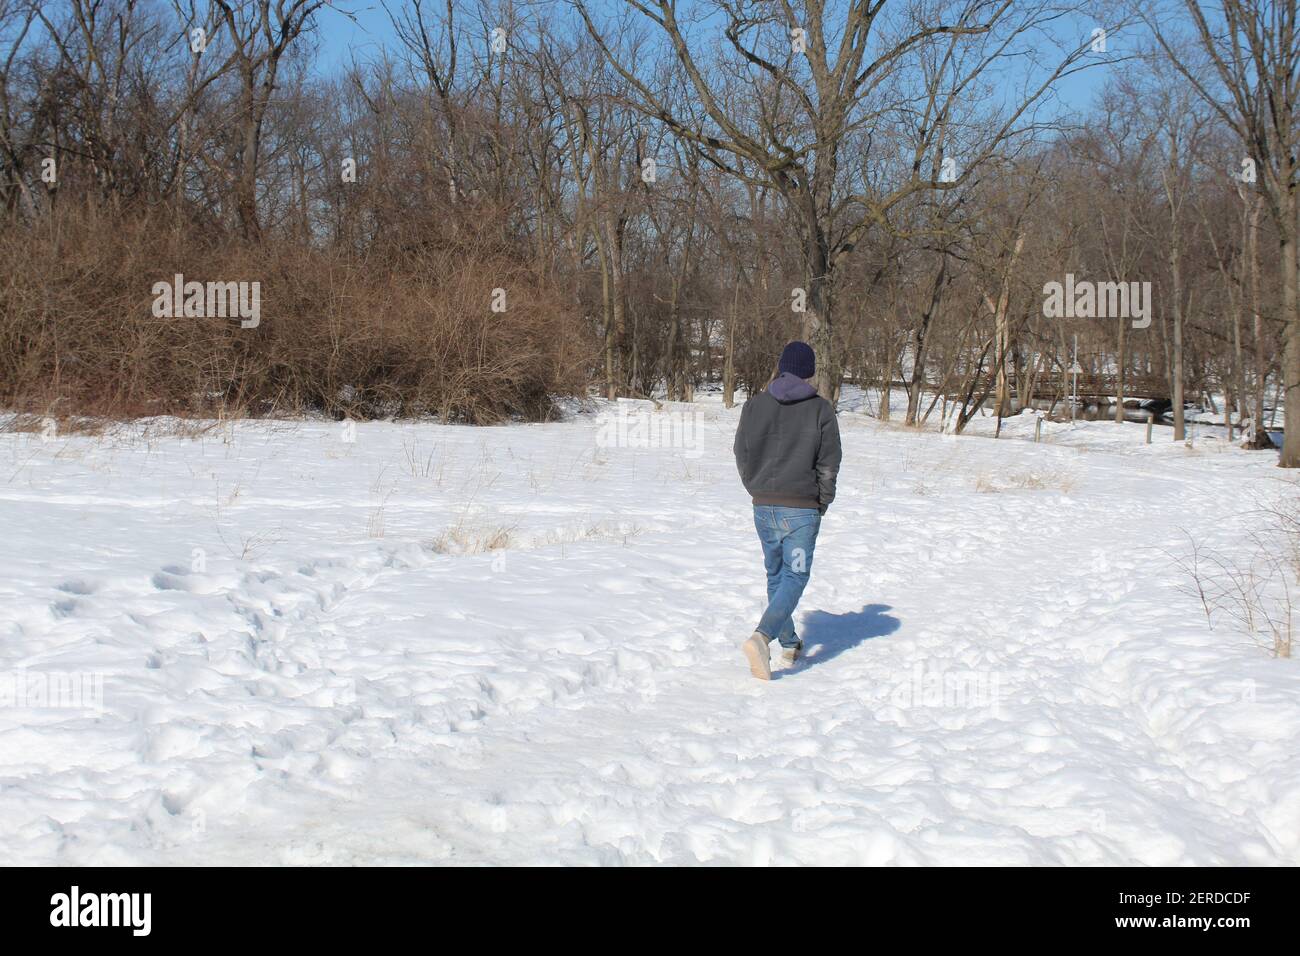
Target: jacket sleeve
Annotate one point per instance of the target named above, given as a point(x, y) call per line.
point(741, 447)
point(828, 458)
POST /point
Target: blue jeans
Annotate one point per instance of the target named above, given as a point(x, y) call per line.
point(788, 536)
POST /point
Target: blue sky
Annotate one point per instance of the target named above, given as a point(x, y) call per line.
point(369, 30)
point(340, 37)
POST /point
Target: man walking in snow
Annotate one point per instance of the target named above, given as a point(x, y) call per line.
point(788, 454)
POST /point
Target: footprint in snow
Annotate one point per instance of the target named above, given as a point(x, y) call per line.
point(77, 587)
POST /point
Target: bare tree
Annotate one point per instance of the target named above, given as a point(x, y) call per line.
point(1243, 59)
point(262, 32)
point(827, 76)
point(16, 145)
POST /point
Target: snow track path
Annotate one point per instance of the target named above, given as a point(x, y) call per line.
point(441, 644)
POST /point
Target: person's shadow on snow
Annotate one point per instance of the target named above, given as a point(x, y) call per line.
point(826, 636)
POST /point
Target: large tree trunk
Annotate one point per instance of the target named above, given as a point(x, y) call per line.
point(817, 317)
point(1176, 372)
point(1259, 438)
point(886, 378)
point(1291, 350)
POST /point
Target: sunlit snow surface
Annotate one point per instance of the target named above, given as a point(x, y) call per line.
point(441, 644)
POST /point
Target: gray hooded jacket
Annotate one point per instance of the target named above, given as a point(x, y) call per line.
point(788, 446)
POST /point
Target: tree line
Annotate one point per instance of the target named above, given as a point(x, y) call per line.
point(503, 203)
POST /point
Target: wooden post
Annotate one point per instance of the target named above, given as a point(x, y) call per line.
point(1151, 417)
point(1038, 429)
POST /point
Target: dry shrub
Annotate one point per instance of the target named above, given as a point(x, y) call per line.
point(1025, 481)
point(388, 332)
point(53, 427)
point(465, 540)
point(1258, 587)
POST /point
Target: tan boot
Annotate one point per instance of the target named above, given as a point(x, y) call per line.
point(759, 656)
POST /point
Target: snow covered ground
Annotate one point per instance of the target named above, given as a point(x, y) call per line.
point(412, 643)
